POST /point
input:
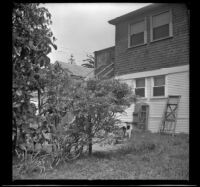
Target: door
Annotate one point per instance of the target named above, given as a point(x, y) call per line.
point(144, 114)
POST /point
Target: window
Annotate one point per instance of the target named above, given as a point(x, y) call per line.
point(140, 87)
point(159, 86)
point(137, 34)
point(161, 26)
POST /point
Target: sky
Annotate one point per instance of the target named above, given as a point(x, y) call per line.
point(82, 28)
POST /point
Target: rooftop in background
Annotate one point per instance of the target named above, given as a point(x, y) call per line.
point(105, 49)
point(77, 70)
point(135, 12)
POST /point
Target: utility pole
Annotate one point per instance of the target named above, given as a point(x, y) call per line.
point(72, 60)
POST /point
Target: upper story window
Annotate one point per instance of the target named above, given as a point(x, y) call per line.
point(137, 33)
point(159, 86)
point(161, 26)
point(140, 87)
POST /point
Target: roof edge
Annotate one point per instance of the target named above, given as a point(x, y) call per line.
point(135, 12)
point(105, 49)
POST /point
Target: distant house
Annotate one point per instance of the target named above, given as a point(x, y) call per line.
point(104, 62)
point(77, 72)
point(151, 54)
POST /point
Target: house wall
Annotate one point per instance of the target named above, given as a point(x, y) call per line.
point(177, 83)
point(168, 52)
point(168, 57)
point(103, 58)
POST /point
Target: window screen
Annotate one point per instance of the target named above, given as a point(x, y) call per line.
point(140, 87)
point(161, 32)
point(160, 24)
point(137, 33)
point(161, 19)
point(140, 82)
point(159, 91)
point(137, 39)
point(159, 80)
point(140, 92)
point(159, 86)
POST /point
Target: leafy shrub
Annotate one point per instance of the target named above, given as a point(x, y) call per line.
point(31, 164)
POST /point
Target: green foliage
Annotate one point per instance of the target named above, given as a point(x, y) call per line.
point(56, 93)
point(90, 61)
point(31, 43)
point(97, 102)
point(30, 164)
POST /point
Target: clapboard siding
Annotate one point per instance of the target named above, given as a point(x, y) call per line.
point(176, 84)
point(128, 115)
point(182, 125)
point(154, 124)
point(156, 107)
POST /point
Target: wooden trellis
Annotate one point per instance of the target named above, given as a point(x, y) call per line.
point(168, 123)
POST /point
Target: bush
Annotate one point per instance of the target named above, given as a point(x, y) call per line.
point(31, 164)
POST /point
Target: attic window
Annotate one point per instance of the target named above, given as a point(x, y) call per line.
point(137, 34)
point(161, 26)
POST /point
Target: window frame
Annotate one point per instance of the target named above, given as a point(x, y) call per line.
point(145, 33)
point(170, 26)
point(152, 86)
point(145, 86)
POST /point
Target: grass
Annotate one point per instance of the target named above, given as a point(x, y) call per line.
point(145, 156)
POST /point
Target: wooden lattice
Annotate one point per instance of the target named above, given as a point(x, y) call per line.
point(168, 123)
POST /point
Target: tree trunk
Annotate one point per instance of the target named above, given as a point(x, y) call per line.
point(90, 148)
point(15, 137)
point(55, 122)
point(90, 136)
point(39, 101)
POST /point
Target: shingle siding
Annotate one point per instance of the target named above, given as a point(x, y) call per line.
point(159, 54)
point(104, 58)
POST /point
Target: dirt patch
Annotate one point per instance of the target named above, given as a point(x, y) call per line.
point(106, 148)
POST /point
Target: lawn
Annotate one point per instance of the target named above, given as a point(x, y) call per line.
point(144, 156)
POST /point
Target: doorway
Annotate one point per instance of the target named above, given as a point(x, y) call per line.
point(141, 115)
